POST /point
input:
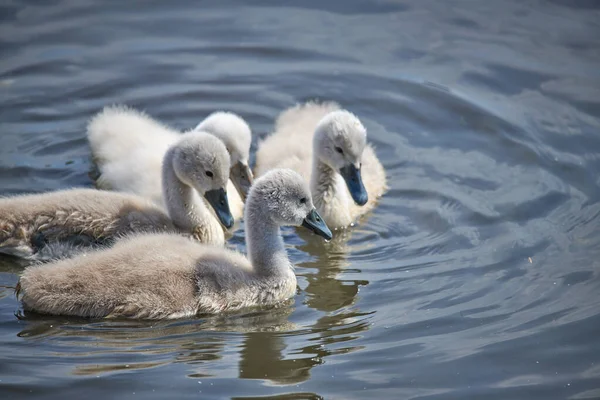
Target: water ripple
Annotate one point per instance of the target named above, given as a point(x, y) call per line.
point(476, 275)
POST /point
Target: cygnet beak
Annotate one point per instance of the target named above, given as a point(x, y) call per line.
point(242, 178)
point(315, 223)
point(217, 198)
point(353, 179)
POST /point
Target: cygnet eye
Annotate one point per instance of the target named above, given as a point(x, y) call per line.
point(303, 200)
point(339, 150)
point(209, 174)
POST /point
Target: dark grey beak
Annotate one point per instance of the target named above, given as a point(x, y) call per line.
point(315, 223)
point(242, 177)
point(353, 179)
point(218, 200)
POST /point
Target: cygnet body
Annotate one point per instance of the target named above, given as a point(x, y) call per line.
point(195, 174)
point(159, 276)
point(345, 176)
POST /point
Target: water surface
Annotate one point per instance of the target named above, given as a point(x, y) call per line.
point(476, 277)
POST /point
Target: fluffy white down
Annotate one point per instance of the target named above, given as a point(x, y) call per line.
point(291, 146)
point(128, 147)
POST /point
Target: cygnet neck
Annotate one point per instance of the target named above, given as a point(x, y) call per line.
point(323, 181)
point(266, 249)
point(187, 214)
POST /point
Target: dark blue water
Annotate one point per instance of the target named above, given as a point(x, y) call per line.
point(476, 277)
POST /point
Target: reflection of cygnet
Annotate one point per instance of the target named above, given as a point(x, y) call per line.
point(169, 276)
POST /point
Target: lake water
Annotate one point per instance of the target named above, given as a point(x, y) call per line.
point(478, 276)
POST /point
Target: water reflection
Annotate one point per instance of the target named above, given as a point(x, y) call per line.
point(263, 356)
point(287, 396)
point(269, 356)
point(269, 345)
point(12, 265)
point(326, 292)
point(193, 342)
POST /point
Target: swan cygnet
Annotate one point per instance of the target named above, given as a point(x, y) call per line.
point(197, 165)
point(156, 276)
point(128, 147)
point(336, 165)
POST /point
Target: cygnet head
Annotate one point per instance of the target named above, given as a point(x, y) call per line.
point(237, 137)
point(282, 196)
point(339, 141)
point(201, 161)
